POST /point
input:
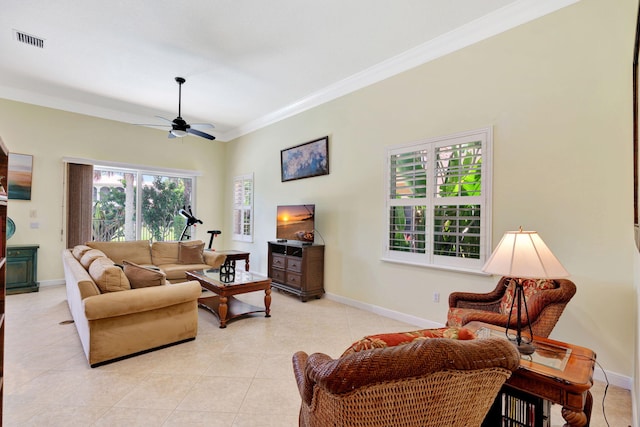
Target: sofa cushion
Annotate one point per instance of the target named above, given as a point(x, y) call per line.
point(393, 339)
point(530, 287)
point(142, 277)
point(79, 250)
point(108, 276)
point(89, 256)
point(164, 252)
point(176, 272)
point(137, 251)
point(191, 252)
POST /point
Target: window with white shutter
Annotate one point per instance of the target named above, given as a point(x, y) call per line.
point(439, 201)
point(243, 208)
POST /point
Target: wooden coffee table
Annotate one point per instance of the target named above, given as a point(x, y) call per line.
point(223, 304)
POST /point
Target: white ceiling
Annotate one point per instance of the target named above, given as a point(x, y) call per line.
point(247, 63)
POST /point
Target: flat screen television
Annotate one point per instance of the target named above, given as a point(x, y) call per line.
point(296, 222)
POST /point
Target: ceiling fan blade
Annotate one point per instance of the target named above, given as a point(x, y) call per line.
point(165, 119)
point(202, 134)
point(149, 124)
point(202, 125)
point(171, 135)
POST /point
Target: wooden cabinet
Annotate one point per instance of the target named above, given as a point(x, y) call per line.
point(4, 161)
point(297, 268)
point(22, 269)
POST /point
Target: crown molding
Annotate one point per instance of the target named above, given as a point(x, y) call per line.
point(499, 21)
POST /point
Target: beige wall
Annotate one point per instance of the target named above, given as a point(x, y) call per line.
point(557, 92)
point(49, 135)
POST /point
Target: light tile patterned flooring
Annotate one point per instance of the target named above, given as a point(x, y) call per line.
point(238, 376)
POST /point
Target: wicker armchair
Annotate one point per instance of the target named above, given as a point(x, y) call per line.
point(428, 382)
point(544, 307)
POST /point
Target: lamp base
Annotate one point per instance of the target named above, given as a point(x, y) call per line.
point(524, 348)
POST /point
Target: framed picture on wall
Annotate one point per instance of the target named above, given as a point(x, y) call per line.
point(20, 176)
point(305, 160)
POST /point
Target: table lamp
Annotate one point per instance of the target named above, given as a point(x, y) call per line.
point(523, 255)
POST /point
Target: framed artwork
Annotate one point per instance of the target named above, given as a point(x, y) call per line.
point(305, 160)
point(20, 175)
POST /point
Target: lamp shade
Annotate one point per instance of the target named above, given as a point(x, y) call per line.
point(523, 254)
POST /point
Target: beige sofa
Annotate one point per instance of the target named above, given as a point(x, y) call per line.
point(119, 315)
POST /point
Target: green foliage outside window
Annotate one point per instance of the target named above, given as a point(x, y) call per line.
point(160, 205)
point(457, 227)
point(408, 223)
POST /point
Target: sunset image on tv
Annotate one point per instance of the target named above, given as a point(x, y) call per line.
point(295, 222)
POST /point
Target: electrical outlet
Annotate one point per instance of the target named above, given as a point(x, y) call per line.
point(436, 297)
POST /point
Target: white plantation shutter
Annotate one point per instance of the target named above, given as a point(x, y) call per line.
point(243, 208)
point(438, 201)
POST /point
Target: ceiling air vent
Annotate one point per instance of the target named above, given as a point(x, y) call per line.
point(28, 39)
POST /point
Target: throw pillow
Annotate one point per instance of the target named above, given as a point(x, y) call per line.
point(142, 277)
point(530, 288)
point(391, 340)
point(89, 256)
point(108, 276)
point(79, 250)
point(191, 253)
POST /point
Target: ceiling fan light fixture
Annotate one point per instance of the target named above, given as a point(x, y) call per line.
point(179, 133)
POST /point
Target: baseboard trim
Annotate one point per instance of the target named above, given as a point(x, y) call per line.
point(56, 282)
point(599, 374)
point(396, 315)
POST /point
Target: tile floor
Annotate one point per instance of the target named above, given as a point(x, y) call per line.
point(238, 376)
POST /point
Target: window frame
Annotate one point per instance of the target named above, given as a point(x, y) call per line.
point(243, 208)
point(431, 201)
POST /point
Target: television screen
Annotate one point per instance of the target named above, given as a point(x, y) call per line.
point(296, 222)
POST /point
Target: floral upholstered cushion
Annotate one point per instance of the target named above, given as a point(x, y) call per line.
point(458, 316)
point(399, 338)
point(530, 288)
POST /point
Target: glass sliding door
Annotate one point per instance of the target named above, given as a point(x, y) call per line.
point(133, 205)
point(114, 204)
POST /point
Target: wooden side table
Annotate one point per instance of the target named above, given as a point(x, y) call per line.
point(558, 372)
point(233, 256)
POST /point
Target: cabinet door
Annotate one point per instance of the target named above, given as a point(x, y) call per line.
point(21, 270)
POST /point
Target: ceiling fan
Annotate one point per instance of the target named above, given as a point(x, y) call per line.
point(179, 127)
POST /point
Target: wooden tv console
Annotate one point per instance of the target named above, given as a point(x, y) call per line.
point(297, 268)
